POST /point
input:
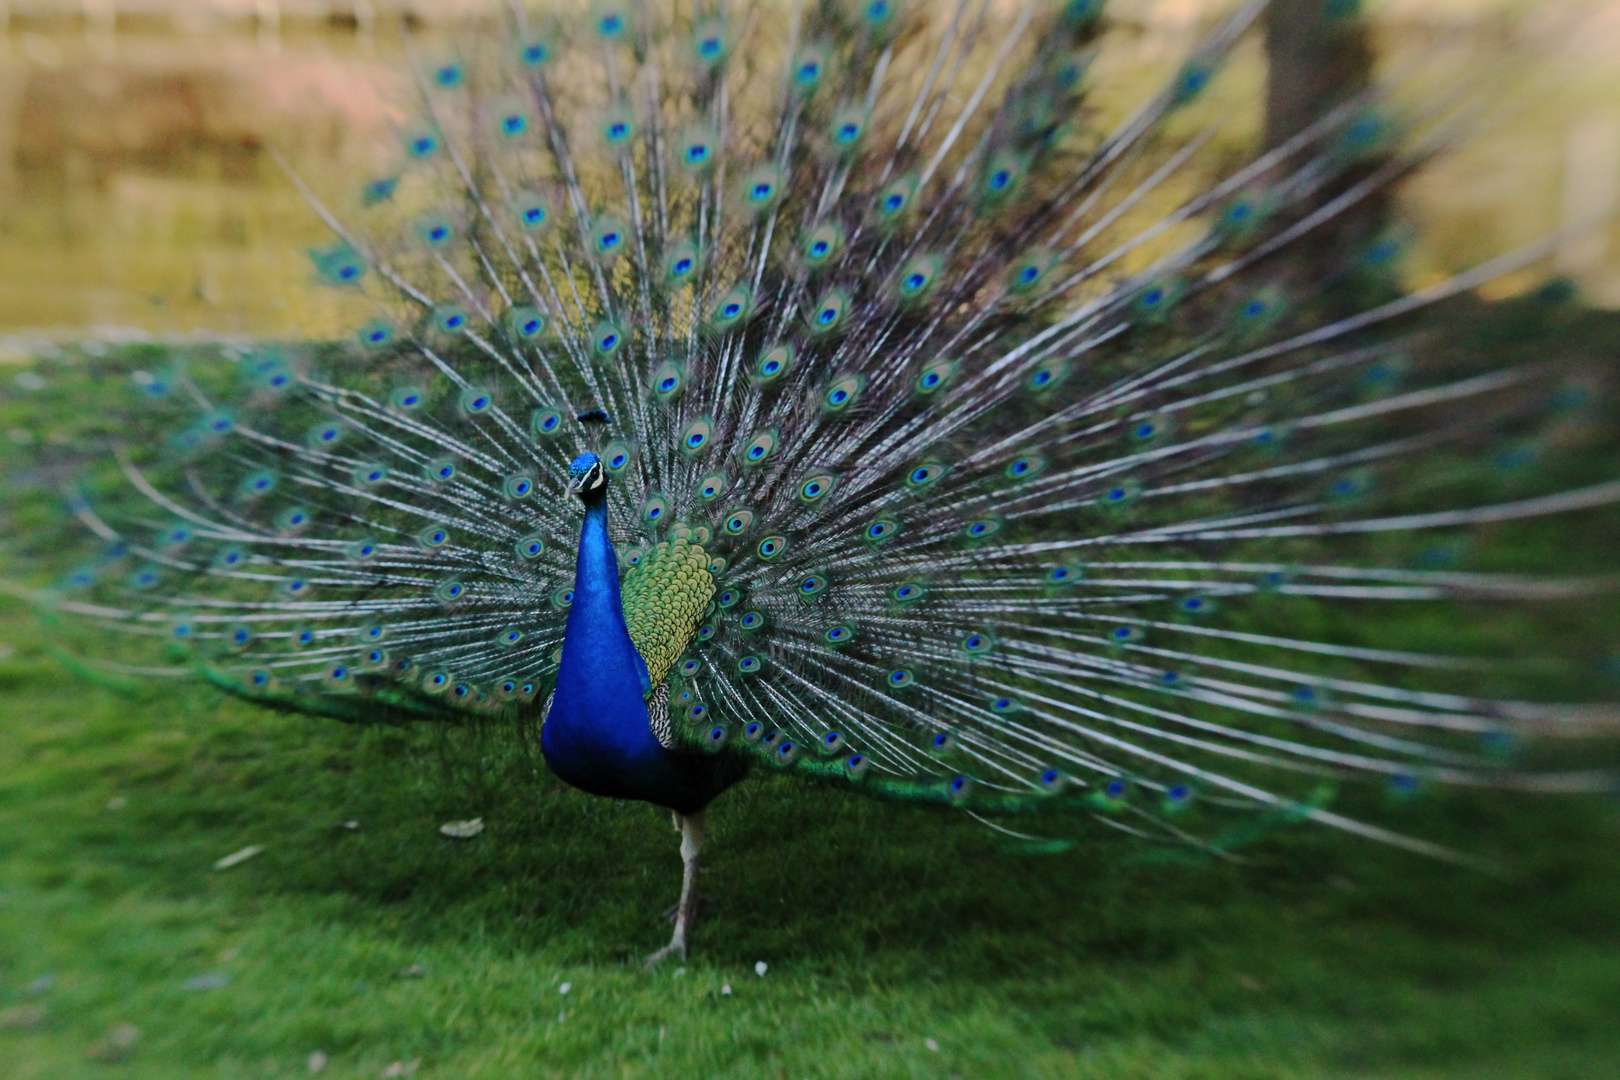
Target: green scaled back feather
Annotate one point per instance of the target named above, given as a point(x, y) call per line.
point(664, 598)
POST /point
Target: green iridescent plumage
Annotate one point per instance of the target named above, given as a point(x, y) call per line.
point(665, 596)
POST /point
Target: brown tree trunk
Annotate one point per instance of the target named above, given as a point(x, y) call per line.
point(1319, 57)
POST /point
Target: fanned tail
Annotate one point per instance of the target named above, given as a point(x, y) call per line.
point(1031, 464)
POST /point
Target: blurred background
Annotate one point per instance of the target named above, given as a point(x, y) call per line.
point(138, 194)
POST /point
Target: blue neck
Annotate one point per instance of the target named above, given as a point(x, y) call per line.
point(597, 652)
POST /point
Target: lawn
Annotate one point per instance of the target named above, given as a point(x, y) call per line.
point(839, 937)
point(897, 942)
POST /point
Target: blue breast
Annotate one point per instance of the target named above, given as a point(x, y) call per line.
point(597, 736)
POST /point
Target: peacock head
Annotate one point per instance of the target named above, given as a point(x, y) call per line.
point(587, 478)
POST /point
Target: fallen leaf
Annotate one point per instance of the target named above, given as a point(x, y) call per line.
point(462, 830)
point(22, 1017)
point(116, 1045)
point(316, 1062)
point(237, 858)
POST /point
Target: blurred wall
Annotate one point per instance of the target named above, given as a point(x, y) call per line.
point(136, 189)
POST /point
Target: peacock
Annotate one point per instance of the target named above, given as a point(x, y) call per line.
point(822, 388)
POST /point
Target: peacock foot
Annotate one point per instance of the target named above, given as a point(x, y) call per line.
point(677, 944)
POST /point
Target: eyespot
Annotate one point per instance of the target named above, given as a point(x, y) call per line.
point(607, 338)
point(733, 307)
point(752, 620)
point(728, 597)
point(775, 363)
point(737, 521)
point(894, 199)
point(376, 334)
point(433, 537)
point(816, 487)
point(827, 314)
point(533, 212)
point(807, 70)
point(616, 456)
point(847, 127)
point(916, 278)
point(709, 42)
point(925, 475)
point(840, 634)
point(935, 376)
point(325, 435)
point(761, 188)
point(759, 448)
point(1002, 175)
point(339, 265)
point(823, 242)
point(812, 584)
point(881, 530)
point(562, 597)
point(655, 509)
point(907, 593)
point(771, 547)
point(842, 393)
point(533, 54)
point(982, 529)
point(293, 520)
point(476, 401)
point(362, 550)
point(449, 319)
point(618, 126)
point(749, 665)
point(900, 678)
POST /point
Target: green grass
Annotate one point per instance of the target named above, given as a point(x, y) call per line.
point(883, 926)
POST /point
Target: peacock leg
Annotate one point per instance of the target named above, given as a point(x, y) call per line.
point(691, 826)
